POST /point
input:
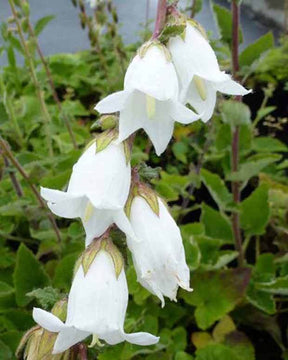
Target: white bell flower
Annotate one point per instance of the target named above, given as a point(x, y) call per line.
point(97, 306)
point(150, 98)
point(97, 191)
point(199, 73)
point(158, 255)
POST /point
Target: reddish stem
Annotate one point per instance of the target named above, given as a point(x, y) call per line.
point(235, 140)
point(235, 37)
point(160, 19)
point(82, 351)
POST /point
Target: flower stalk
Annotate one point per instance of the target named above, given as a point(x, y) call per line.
point(40, 94)
point(160, 18)
point(235, 137)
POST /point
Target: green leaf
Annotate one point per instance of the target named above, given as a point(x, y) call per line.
point(181, 355)
point(42, 23)
point(5, 352)
point(252, 167)
point(255, 212)
point(64, 272)
point(46, 297)
point(268, 144)
point(216, 294)
point(264, 271)
point(217, 188)
point(279, 286)
point(180, 150)
point(7, 297)
point(260, 299)
point(235, 113)
point(29, 274)
point(217, 225)
point(255, 50)
point(224, 22)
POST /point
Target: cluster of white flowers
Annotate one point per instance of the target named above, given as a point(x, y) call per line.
point(159, 82)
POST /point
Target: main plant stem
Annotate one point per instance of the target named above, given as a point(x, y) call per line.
point(40, 94)
point(7, 152)
point(235, 138)
point(160, 18)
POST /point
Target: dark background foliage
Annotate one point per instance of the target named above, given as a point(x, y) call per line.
point(234, 312)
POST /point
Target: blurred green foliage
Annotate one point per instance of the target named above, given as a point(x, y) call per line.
point(233, 313)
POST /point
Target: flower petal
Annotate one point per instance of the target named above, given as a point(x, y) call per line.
point(231, 87)
point(64, 204)
point(160, 132)
point(132, 116)
point(194, 56)
point(141, 338)
point(204, 107)
point(67, 338)
point(182, 114)
point(47, 320)
point(97, 223)
point(112, 103)
point(123, 224)
point(153, 75)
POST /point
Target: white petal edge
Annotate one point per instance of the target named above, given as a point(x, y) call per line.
point(231, 87)
point(67, 338)
point(47, 320)
point(112, 103)
point(182, 114)
point(141, 338)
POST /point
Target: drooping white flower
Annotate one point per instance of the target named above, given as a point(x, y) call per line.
point(149, 99)
point(97, 191)
point(158, 255)
point(97, 306)
point(199, 73)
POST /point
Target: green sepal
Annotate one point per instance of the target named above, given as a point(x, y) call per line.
point(144, 191)
point(77, 265)
point(105, 244)
point(116, 256)
point(90, 143)
point(104, 139)
point(127, 151)
point(106, 122)
point(145, 47)
point(60, 309)
point(150, 197)
point(199, 27)
point(25, 338)
point(172, 30)
point(89, 254)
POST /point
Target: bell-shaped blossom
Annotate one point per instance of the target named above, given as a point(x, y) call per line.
point(97, 191)
point(158, 255)
point(150, 98)
point(199, 73)
point(97, 306)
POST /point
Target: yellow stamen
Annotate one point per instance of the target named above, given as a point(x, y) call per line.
point(95, 341)
point(150, 106)
point(88, 212)
point(201, 87)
